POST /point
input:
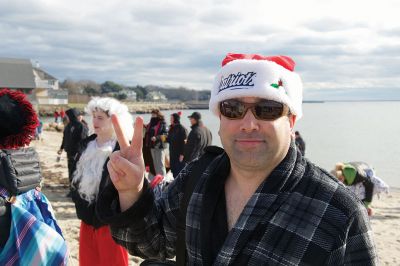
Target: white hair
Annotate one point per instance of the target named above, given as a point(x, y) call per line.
point(112, 106)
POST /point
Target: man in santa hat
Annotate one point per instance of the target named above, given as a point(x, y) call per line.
point(258, 202)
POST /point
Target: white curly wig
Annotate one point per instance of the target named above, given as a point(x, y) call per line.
point(112, 106)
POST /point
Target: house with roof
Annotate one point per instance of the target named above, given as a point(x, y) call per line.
point(40, 86)
point(130, 95)
point(156, 96)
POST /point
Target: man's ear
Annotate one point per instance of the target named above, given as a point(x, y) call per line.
point(292, 121)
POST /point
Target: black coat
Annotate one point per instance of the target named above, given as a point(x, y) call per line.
point(84, 210)
point(74, 132)
point(199, 138)
point(177, 135)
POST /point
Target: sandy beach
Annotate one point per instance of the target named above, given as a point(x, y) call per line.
point(385, 220)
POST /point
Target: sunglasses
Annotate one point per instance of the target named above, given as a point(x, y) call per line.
point(263, 110)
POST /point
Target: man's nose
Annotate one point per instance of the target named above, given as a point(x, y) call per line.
point(249, 122)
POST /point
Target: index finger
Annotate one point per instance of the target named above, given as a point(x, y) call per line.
point(122, 140)
point(137, 139)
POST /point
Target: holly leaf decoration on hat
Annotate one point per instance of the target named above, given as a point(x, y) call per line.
point(277, 85)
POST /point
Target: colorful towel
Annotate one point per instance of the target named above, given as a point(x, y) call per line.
point(35, 238)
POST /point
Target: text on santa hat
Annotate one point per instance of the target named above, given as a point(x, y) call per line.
point(236, 81)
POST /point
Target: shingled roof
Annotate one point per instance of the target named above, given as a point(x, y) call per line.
point(16, 74)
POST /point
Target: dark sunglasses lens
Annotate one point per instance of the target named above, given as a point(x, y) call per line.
point(232, 109)
point(268, 110)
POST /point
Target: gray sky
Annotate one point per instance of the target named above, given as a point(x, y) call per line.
point(344, 49)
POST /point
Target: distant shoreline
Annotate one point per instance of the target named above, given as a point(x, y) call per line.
point(146, 107)
point(336, 101)
point(134, 107)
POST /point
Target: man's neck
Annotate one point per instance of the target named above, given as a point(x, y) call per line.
point(240, 186)
point(247, 181)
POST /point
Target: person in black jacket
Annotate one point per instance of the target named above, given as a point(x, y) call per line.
point(177, 135)
point(74, 132)
point(300, 143)
point(90, 176)
point(199, 138)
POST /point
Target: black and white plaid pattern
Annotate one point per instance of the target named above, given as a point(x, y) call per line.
point(299, 216)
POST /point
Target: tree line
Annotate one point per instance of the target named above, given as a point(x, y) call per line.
point(113, 89)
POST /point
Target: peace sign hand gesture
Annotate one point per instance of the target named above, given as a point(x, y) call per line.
point(126, 166)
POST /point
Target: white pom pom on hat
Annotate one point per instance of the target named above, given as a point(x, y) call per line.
point(252, 75)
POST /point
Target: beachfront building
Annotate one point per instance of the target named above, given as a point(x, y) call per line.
point(130, 95)
point(17, 74)
point(40, 86)
point(156, 96)
point(48, 89)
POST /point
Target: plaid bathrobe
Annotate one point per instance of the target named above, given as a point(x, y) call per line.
point(299, 215)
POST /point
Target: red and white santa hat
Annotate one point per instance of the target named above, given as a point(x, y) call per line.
point(252, 75)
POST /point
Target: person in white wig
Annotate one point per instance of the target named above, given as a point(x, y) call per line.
point(90, 176)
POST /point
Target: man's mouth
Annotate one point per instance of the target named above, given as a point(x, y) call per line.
point(249, 142)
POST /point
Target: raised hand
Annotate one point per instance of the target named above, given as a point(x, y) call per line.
point(126, 166)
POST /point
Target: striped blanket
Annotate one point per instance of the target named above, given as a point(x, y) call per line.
point(35, 238)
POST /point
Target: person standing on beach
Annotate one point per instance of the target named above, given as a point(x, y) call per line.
point(90, 176)
point(39, 129)
point(199, 138)
point(300, 143)
point(177, 135)
point(155, 139)
point(257, 202)
point(62, 114)
point(74, 133)
point(29, 233)
point(56, 115)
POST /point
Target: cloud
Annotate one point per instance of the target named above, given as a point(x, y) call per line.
point(325, 25)
point(183, 42)
point(163, 14)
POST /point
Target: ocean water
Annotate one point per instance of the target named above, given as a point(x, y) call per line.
point(354, 131)
point(339, 131)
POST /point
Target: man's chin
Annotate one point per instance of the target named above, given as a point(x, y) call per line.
point(250, 164)
point(250, 155)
